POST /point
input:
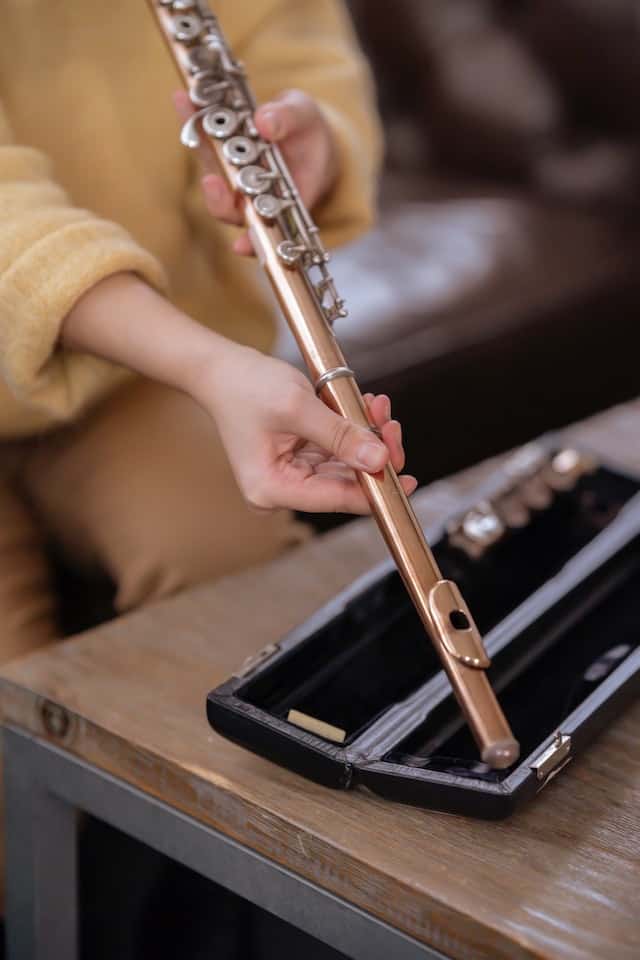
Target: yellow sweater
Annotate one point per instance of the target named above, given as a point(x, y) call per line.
point(93, 179)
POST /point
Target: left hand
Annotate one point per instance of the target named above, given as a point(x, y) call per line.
point(296, 123)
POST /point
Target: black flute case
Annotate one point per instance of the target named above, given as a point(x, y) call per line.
point(558, 603)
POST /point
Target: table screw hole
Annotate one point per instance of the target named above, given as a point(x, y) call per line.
point(54, 719)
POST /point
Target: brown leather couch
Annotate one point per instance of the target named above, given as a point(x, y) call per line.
point(499, 296)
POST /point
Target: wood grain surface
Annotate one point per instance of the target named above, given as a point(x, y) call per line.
point(559, 880)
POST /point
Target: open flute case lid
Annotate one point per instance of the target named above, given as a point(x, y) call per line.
point(547, 556)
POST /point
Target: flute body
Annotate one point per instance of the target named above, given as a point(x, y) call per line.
point(289, 248)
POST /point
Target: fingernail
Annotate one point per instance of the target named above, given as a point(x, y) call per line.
point(371, 456)
point(387, 408)
point(397, 426)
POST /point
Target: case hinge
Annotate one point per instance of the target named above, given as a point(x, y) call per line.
point(553, 759)
point(256, 660)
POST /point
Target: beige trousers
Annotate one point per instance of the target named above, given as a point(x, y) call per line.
point(140, 488)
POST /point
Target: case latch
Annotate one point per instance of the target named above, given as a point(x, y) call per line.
point(256, 659)
point(554, 758)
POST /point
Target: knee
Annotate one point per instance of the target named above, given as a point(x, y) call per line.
point(168, 560)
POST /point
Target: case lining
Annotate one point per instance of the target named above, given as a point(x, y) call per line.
point(374, 654)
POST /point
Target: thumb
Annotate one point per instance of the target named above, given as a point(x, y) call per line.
point(290, 113)
point(356, 446)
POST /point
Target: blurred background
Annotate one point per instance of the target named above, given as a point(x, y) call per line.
point(499, 296)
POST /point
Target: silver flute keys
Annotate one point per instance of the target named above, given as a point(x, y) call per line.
point(533, 477)
point(224, 109)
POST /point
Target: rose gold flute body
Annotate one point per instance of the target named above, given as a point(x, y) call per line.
point(439, 604)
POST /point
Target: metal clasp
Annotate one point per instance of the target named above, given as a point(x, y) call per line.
point(553, 759)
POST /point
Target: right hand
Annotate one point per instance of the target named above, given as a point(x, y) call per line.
point(286, 448)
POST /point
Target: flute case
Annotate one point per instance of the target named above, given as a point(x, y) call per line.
point(557, 599)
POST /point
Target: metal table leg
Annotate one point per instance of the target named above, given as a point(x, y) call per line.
point(45, 787)
point(41, 856)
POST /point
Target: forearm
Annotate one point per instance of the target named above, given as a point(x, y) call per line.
point(285, 447)
point(124, 320)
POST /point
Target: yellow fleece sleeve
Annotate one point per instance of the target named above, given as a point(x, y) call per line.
point(311, 45)
point(50, 254)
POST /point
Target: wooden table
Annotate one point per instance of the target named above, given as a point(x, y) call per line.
point(113, 721)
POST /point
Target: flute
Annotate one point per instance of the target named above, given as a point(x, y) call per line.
point(289, 248)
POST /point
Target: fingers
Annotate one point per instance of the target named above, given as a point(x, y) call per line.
point(356, 446)
point(220, 201)
point(392, 436)
point(290, 113)
point(379, 407)
point(380, 411)
point(243, 246)
point(311, 481)
point(329, 492)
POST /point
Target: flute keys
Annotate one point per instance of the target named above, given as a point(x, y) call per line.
point(567, 467)
point(207, 89)
point(482, 525)
point(254, 180)
point(536, 493)
point(290, 252)
point(512, 510)
point(189, 135)
point(221, 123)
point(527, 468)
point(240, 151)
point(186, 27)
point(478, 530)
point(269, 206)
point(204, 59)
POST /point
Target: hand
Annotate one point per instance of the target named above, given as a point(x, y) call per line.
point(296, 123)
point(286, 448)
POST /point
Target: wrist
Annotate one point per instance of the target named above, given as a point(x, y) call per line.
point(124, 320)
point(213, 372)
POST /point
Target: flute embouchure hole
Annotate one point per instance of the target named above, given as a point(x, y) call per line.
point(459, 620)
